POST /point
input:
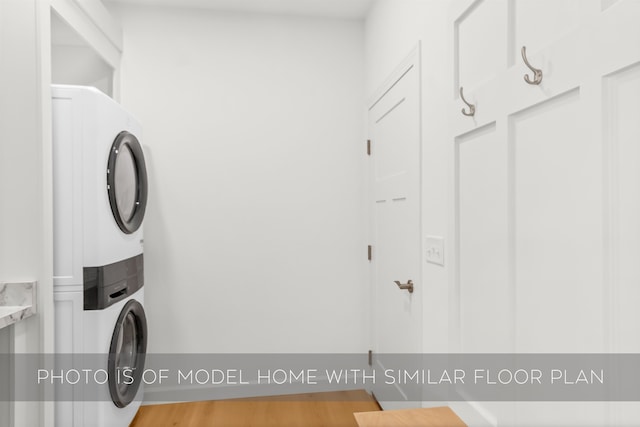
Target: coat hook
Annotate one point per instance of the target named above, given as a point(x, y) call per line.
point(537, 74)
point(472, 108)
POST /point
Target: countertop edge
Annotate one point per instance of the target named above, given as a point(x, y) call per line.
point(17, 302)
point(16, 315)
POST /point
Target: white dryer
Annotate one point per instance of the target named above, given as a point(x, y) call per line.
point(100, 196)
point(100, 182)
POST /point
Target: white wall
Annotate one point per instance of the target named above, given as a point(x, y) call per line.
point(80, 65)
point(393, 28)
point(25, 192)
point(255, 234)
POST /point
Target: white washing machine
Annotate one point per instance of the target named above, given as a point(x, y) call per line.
point(100, 196)
point(124, 325)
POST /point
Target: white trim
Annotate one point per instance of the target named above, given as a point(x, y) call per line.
point(45, 282)
point(231, 391)
point(474, 414)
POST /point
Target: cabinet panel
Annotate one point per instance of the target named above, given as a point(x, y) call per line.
point(558, 228)
point(481, 42)
point(483, 243)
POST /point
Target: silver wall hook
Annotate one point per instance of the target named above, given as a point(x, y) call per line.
point(472, 108)
point(537, 73)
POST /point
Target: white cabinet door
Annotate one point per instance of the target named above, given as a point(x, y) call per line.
point(546, 188)
point(394, 128)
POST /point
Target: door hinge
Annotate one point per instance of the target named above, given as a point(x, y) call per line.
point(370, 357)
point(368, 147)
point(369, 252)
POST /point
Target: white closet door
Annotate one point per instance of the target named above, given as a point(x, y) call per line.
point(546, 188)
point(394, 128)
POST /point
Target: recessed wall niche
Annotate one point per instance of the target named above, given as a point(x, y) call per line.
point(74, 61)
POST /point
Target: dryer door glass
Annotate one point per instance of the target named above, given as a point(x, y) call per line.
point(127, 354)
point(127, 182)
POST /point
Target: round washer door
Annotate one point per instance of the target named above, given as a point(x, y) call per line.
point(127, 354)
point(127, 182)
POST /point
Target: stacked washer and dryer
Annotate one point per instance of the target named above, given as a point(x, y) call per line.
point(100, 195)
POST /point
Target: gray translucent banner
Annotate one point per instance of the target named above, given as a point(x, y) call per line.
point(392, 377)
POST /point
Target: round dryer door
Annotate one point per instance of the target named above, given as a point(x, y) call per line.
point(127, 354)
point(127, 182)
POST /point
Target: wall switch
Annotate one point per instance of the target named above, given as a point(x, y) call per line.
point(435, 249)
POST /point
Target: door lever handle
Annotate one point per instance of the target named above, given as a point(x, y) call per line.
point(408, 286)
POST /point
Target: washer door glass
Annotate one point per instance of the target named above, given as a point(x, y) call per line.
point(127, 354)
point(127, 182)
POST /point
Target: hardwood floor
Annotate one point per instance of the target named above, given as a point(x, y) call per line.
point(309, 410)
point(423, 417)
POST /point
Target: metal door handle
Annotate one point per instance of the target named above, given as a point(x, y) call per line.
point(408, 286)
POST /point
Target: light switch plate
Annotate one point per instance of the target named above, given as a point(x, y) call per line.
point(435, 249)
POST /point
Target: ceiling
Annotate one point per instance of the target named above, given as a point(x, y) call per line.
point(352, 9)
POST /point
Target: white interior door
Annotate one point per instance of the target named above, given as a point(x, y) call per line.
point(546, 188)
point(394, 128)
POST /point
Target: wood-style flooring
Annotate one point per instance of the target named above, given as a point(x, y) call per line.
point(422, 417)
point(333, 409)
